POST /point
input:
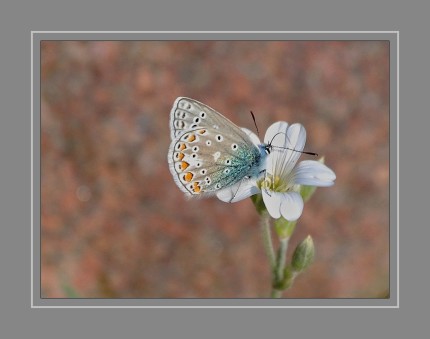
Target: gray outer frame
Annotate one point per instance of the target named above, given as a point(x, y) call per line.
point(392, 302)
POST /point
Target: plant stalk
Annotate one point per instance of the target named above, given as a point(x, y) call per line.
point(267, 240)
point(278, 273)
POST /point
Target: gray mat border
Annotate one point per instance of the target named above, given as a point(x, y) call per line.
point(392, 302)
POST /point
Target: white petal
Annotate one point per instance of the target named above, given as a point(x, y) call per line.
point(313, 173)
point(296, 137)
point(239, 191)
point(287, 147)
point(282, 135)
point(254, 138)
point(291, 205)
point(272, 200)
point(275, 131)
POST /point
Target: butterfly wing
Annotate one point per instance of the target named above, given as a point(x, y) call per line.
point(208, 152)
point(187, 114)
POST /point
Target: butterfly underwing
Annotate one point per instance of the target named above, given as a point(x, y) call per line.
point(209, 153)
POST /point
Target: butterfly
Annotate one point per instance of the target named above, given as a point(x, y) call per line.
point(210, 155)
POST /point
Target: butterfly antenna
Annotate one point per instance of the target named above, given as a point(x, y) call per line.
point(291, 149)
point(255, 123)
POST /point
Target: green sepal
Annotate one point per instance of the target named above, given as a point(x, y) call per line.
point(284, 228)
point(307, 191)
point(257, 199)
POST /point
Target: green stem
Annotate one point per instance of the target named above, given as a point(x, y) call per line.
point(278, 276)
point(267, 239)
point(282, 254)
point(276, 293)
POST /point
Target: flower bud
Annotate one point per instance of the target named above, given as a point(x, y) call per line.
point(303, 255)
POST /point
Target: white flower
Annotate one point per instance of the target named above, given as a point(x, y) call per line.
point(280, 188)
point(282, 179)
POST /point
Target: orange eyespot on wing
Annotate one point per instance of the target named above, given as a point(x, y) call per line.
point(179, 156)
point(196, 187)
point(188, 176)
point(180, 146)
point(183, 166)
point(191, 138)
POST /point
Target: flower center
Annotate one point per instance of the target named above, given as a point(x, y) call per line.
point(274, 183)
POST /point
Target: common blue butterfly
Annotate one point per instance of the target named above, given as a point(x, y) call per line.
point(209, 154)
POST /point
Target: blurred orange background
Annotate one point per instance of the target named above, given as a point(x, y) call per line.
point(115, 225)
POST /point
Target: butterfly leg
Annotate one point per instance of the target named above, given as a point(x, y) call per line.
point(238, 187)
point(264, 180)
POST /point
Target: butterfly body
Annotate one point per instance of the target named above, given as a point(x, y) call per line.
point(208, 152)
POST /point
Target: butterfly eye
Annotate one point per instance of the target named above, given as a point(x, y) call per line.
point(208, 142)
point(208, 180)
point(202, 115)
point(218, 186)
point(196, 120)
point(203, 171)
point(219, 138)
point(228, 162)
point(234, 147)
point(227, 171)
point(195, 149)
